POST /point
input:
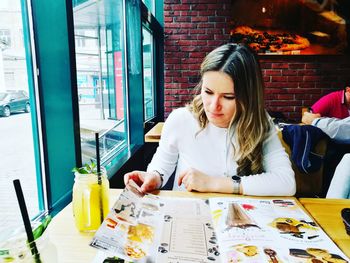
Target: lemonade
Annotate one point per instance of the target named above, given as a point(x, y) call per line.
point(88, 196)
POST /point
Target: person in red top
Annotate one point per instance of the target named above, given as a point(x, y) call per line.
point(334, 105)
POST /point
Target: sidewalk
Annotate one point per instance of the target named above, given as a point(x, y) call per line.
point(17, 159)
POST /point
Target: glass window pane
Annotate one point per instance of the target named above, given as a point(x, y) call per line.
point(16, 130)
point(148, 74)
point(98, 28)
point(149, 4)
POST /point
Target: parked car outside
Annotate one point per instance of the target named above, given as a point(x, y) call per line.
point(13, 101)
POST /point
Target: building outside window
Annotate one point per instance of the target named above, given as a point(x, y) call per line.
point(18, 138)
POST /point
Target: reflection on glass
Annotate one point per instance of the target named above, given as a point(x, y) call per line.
point(148, 74)
point(16, 136)
point(149, 4)
point(98, 30)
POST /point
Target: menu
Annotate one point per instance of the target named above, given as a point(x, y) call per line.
point(148, 228)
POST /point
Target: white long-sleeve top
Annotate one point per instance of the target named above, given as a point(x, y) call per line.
point(209, 151)
point(336, 129)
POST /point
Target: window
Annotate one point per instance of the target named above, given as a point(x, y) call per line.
point(99, 88)
point(149, 4)
point(148, 78)
point(19, 136)
point(100, 60)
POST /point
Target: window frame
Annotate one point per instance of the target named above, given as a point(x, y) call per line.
point(54, 49)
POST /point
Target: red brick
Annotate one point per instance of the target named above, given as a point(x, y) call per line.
point(206, 25)
point(181, 7)
point(295, 79)
point(189, 13)
point(180, 79)
point(199, 7)
point(308, 72)
point(214, 43)
point(188, 25)
point(278, 79)
point(266, 78)
point(312, 66)
point(190, 73)
point(168, 19)
point(168, 79)
point(182, 19)
point(204, 37)
point(280, 65)
point(199, 19)
point(191, 60)
point(297, 66)
point(285, 97)
point(189, 48)
point(273, 72)
point(197, 55)
point(206, 13)
point(288, 72)
point(196, 31)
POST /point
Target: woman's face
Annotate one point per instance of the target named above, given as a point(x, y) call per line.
point(218, 98)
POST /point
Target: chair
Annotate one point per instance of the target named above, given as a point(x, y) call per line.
point(308, 185)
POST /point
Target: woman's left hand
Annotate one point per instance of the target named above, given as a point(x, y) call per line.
point(194, 180)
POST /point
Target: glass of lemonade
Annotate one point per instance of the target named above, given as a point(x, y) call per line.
point(15, 248)
point(90, 199)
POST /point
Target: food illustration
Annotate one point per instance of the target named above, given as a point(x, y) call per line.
point(271, 255)
point(236, 217)
point(111, 223)
point(133, 250)
point(323, 254)
point(248, 250)
point(140, 233)
point(296, 228)
point(216, 215)
point(316, 255)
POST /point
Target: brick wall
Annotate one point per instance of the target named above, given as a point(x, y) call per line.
point(195, 27)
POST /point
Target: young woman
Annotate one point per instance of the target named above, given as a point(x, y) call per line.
point(224, 141)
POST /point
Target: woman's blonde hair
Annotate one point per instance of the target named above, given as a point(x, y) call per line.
point(250, 120)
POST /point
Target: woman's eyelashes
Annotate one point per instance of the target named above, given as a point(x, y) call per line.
point(227, 96)
point(208, 91)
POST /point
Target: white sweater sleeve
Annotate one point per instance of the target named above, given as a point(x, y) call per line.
point(278, 178)
point(165, 159)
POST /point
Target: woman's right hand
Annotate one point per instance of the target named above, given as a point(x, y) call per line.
point(148, 182)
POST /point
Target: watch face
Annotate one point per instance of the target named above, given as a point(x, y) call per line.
point(236, 178)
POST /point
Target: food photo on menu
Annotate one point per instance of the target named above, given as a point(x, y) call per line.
point(146, 228)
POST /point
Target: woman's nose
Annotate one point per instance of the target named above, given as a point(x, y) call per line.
point(215, 103)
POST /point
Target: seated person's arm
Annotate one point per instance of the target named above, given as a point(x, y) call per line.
point(309, 117)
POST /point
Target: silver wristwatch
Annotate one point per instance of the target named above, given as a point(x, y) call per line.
point(236, 184)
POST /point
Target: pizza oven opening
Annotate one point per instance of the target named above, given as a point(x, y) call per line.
point(292, 26)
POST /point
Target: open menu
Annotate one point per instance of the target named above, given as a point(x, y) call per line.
point(149, 228)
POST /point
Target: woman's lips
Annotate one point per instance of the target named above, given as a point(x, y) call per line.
point(215, 115)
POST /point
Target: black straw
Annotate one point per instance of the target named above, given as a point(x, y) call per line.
point(26, 221)
point(99, 178)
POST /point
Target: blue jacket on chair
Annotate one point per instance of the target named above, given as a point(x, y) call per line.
point(302, 140)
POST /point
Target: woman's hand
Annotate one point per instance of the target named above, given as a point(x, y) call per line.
point(194, 180)
point(147, 181)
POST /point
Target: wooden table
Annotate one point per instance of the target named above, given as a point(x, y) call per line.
point(326, 212)
point(153, 135)
point(73, 246)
